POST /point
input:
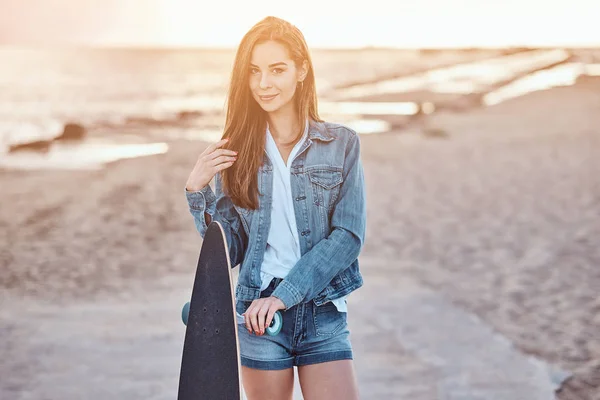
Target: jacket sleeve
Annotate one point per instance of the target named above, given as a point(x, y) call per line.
point(220, 208)
point(318, 266)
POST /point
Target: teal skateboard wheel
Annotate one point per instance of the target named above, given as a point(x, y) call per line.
point(185, 313)
point(273, 329)
point(276, 324)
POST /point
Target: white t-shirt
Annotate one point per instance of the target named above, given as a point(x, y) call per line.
point(283, 244)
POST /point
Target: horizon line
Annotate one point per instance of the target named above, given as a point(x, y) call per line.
point(131, 46)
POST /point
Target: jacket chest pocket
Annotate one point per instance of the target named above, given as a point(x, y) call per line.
point(325, 184)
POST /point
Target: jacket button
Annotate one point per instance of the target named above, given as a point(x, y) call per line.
point(305, 233)
point(300, 198)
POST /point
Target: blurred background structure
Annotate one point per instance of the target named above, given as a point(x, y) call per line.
point(480, 133)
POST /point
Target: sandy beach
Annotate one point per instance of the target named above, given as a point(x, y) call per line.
point(495, 208)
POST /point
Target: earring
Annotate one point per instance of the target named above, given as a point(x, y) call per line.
point(301, 85)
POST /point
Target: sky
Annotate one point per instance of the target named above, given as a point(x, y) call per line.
point(324, 23)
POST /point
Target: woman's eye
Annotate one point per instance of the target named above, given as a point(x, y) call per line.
point(277, 70)
point(253, 71)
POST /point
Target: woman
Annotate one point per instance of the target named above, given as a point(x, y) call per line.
point(289, 192)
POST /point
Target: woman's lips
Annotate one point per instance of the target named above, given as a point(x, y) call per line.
point(268, 98)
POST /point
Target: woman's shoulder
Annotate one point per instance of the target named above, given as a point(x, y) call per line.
point(336, 130)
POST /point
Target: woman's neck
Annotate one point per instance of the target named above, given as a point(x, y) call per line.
point(285, 129)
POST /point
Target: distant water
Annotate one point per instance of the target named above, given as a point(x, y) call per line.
point(113, 91)
point(109, 91)
point(42, 89)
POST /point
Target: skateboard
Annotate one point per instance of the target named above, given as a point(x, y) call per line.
point(210, 364)
point(273, 329)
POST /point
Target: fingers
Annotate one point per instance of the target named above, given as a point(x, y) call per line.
point(246, 316)
point(223, 166)
point(251, 317)
point(254, 319)
point(214, 146)
point(220, 160)
point(217, 161)
point(262, 315)
point(259, 315)
point(219, 153)
point(209, 163)
point(270, 314)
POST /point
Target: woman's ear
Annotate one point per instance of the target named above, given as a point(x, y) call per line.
point(303, 71)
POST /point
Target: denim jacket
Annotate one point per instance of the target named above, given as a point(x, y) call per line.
point(328, 189)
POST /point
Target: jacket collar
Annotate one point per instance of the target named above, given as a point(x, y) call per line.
point(318, 130)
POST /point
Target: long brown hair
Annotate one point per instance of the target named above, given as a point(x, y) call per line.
point(246, 121)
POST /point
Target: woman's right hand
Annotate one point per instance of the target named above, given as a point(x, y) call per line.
point(211, 161)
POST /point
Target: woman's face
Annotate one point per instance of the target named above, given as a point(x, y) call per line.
point(274, 76)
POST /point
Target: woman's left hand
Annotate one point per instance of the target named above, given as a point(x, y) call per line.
point(260, 314)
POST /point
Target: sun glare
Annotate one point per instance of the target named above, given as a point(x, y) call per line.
point(433, 23)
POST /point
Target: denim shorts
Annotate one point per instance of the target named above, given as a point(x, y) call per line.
point(310, 335)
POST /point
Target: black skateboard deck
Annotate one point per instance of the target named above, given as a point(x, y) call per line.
point(210, 365)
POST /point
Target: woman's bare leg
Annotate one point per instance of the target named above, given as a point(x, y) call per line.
point(268, 385)
point(330, 380)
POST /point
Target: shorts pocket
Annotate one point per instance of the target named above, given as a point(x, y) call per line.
point(327, 319)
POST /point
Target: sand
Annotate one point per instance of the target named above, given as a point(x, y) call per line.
point(500, 212)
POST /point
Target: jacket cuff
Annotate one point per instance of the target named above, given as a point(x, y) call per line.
point(200, 199)
point(288, 294)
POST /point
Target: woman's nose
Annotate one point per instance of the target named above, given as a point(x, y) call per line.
point(265, 83)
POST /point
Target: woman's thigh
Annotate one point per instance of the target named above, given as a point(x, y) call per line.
point(329, 380)
point(268, 385)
